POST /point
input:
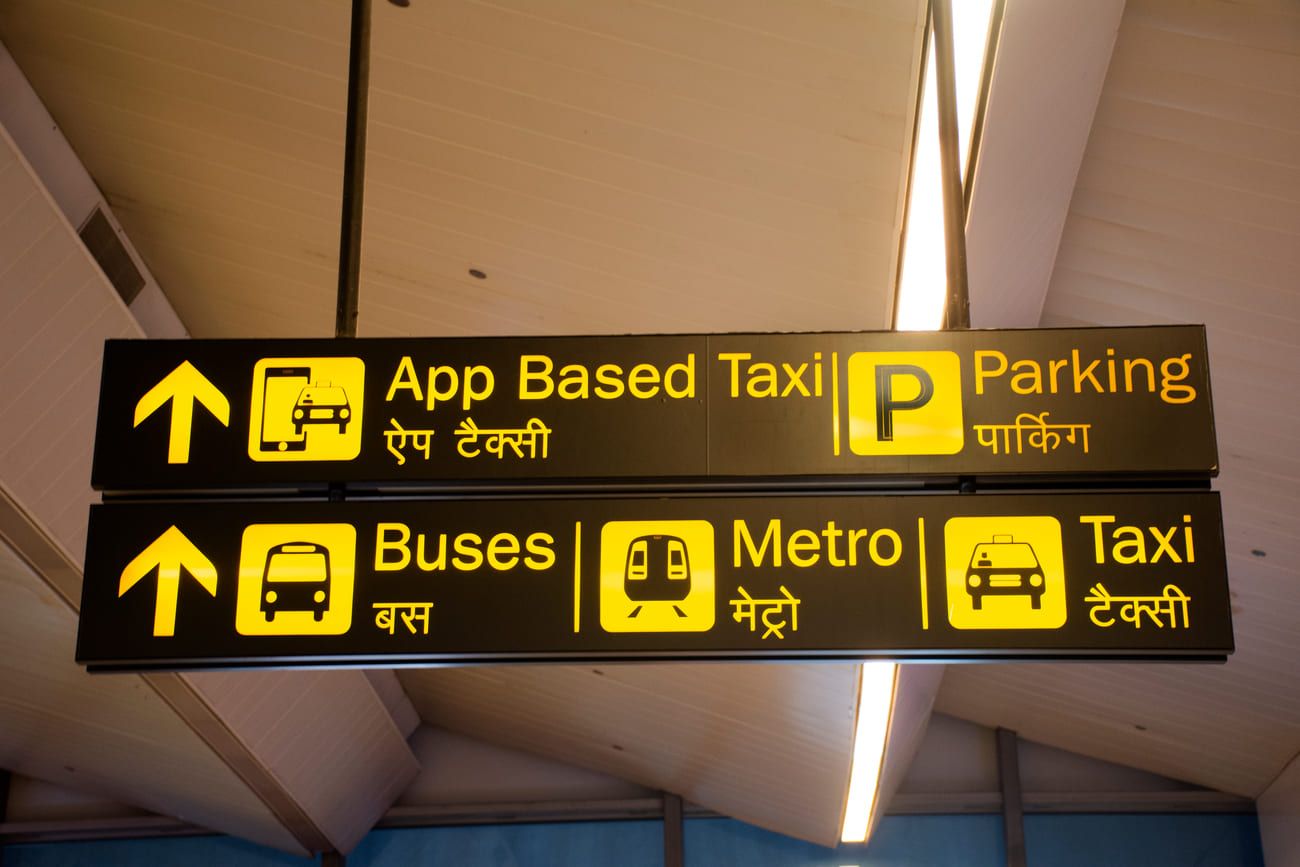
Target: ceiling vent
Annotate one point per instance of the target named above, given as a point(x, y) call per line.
point(101, 240)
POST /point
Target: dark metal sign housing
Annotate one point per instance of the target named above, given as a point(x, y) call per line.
point(920, 577)
point(757, 410)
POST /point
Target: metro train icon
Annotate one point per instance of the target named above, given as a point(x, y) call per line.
point(658, 570)
point(657, 576)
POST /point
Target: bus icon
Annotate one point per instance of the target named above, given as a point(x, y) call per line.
point(296, 578)
point(656, 576)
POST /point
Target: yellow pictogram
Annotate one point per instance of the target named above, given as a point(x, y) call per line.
point(306, 409)
point(296, 579)
point(169, 553)
point(905, 403)
point(183, 386)
point(656, 576)
point(1005, 572)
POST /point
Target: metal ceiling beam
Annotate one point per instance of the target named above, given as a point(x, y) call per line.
point(957, 309)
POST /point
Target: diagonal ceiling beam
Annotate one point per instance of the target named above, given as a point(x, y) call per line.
point(321, 751)
point(1051, 63)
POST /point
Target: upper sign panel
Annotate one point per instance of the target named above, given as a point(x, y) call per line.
point(717, 409)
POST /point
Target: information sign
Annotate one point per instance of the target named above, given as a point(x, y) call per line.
point(919, 577)
point(721, 410)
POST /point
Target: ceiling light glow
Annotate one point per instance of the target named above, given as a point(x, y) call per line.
point(923, 282)
point(875, 706)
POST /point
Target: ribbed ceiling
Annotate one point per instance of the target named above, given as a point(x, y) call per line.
point(1187, 209)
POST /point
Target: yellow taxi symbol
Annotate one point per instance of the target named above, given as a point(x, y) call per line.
point(905, 403)
point(656, 576)
point(1005, 572)
point(296, 579)
point(306, 409)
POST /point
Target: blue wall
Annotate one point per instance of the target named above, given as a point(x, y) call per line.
point(935, 841)
point(1073, 840)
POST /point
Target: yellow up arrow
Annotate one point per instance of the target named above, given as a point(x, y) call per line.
point(168, 553)
point(182, 387)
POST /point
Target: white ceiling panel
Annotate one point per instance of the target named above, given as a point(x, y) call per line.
point(107, 734)
point(612, 167)
point(769, 744)
point(1187, 209)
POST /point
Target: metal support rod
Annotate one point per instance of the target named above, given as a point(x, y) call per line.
point(333, 859)
point(1013, 808)
point(354, 170)
point(954, 209)
point(674, 845)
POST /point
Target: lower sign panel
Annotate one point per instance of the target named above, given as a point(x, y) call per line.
point(943, 578)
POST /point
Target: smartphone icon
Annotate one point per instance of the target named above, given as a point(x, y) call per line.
point(280, 389)
point(306, 409)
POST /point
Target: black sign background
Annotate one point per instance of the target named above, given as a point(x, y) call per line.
point(488, 615)
point(711, 438)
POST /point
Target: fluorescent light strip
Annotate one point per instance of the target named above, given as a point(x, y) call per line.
point(922, 292)
point(875, 706)
point(923, 284)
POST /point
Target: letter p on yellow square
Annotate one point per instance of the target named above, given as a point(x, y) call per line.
point(905, 403)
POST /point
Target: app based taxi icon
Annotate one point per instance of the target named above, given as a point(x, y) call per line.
point(306, 409)
point(905, 403)
point(656, 576)
point(1005, 572)
point(296, 579)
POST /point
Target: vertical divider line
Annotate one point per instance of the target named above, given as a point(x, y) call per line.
point(835, 401)
point(925, 599)
point(577, 575)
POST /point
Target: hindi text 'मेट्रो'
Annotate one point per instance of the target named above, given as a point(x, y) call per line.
point(747, 608)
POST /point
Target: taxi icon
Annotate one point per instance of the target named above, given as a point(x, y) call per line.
point(321, 404)
point(1004, 567)
point(296, 577)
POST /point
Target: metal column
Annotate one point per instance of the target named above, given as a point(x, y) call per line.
point(674, 844)
point(1013, 807)
point(954, 207)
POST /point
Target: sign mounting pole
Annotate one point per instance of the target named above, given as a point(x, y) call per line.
point(354, 170)
point(954, 209)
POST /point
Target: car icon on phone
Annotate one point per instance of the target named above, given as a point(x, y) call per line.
point(321, 404)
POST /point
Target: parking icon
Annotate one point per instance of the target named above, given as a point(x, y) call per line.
point(905, 403)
